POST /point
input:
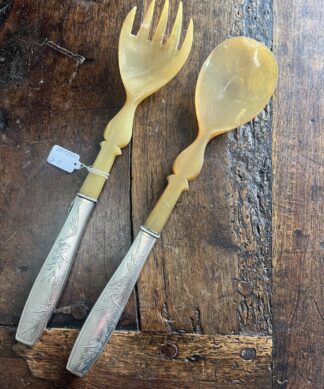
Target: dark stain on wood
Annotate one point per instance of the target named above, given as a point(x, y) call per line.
point(13, 58)
point(298, 199)
point(249, 167)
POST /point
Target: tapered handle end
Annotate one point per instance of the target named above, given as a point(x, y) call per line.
point(105, 314)
point(49, 284)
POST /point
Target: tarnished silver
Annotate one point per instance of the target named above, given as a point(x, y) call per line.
point(105, 314)
point(87, 197)
point(51, 279)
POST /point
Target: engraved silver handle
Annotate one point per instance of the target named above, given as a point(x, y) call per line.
point(107, 310)
point(51, 279)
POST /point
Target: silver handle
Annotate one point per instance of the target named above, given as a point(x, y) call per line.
point(107, 310)
point(51, 279)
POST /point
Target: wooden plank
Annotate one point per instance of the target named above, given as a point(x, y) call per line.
point(148, 360)
point(210, 272)
point(298, 196)
point(14, 371)
point(50, 98)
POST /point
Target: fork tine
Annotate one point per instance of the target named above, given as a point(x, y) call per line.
point(187, 43)
point(144, 30)
point(174, 38)
point(161, 27)
point(129, 21)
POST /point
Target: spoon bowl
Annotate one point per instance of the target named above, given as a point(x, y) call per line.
point(235, 83)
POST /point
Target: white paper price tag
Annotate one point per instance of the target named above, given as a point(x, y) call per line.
point(64, 159)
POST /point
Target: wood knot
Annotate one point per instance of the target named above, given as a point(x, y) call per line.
point(169, 350)
point(79, 311)
point(248, 354)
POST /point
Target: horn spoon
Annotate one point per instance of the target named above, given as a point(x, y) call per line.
point(235, 83)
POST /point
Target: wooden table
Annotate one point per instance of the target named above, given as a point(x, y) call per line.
point(231, 296)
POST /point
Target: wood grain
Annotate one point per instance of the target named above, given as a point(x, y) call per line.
point(211, 270)
point(149, 360)
point(298, 196)
point(49, 98)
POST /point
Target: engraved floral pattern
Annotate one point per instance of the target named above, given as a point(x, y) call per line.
point(116, 289)
point(49, 283)
point(34, 325)
point(62, 247)
point(112, 302)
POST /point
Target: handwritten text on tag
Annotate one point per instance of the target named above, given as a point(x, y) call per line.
point(64, 159)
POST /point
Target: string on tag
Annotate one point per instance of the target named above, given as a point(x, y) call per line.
point(94, 171)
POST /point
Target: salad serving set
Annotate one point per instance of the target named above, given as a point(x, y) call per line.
point(235, 83)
